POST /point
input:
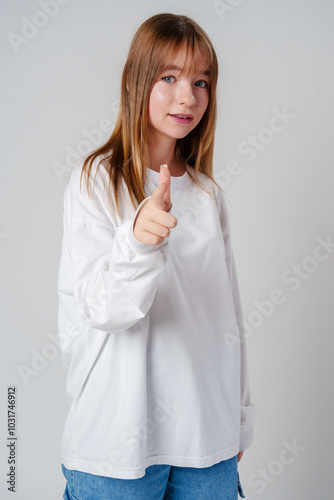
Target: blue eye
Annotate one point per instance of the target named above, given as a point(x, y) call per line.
point(166, 77)
point(203, 82)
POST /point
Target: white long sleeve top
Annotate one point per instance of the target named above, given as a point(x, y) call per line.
point(151, 336)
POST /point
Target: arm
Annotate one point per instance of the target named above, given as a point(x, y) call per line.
point(114, 276)
point(249, 414)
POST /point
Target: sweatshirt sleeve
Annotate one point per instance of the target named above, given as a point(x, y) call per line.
point(249, 414)
point(114, 276)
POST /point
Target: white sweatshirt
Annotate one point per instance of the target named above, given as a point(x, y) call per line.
point(151, 336)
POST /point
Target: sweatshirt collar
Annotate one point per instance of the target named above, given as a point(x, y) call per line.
point(175, 182)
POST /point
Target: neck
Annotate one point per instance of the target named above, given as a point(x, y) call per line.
point(164, 152)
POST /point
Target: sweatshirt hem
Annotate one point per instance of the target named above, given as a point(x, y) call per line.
point(117, 472)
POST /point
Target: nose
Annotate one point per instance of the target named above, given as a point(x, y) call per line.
point(185, 94)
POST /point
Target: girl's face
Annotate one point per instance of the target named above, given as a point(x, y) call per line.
point(174, 96)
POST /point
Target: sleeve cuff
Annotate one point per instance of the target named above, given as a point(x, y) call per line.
point(246, 439)
point(136, 245)
point(247, 426)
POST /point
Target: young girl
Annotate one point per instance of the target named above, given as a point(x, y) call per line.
point(150, 321)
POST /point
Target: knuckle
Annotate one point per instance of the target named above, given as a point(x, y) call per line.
point(157, 240)
point(145, 210)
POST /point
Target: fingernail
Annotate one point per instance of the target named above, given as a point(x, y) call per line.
point(163, 165)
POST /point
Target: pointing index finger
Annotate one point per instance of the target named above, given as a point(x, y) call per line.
point(164, 178)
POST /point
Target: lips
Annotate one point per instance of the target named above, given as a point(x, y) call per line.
point(180, 115)
point(181, 118)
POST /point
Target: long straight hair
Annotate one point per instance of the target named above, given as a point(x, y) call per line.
point(126, 153)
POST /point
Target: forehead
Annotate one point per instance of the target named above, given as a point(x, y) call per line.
point(187, 60)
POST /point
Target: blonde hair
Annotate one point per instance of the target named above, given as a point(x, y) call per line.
point(125, 154)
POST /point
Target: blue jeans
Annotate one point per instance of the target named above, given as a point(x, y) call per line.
point(160, 482)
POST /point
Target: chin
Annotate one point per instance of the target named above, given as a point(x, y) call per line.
point(181, 134)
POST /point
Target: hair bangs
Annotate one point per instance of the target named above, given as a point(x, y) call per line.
point(198, 57)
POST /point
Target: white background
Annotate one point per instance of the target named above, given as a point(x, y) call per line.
point(58, 84)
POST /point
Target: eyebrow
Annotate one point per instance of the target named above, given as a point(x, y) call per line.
point(171, 67)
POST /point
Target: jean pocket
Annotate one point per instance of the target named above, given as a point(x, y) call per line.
point(241, 493)
point(68, 495)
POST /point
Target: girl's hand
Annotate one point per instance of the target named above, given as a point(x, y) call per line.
point(153, 222)
point(240, 455)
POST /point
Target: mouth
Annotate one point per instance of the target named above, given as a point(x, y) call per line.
point(181, 118)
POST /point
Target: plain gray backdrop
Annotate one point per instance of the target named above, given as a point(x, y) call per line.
point(61, 67)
